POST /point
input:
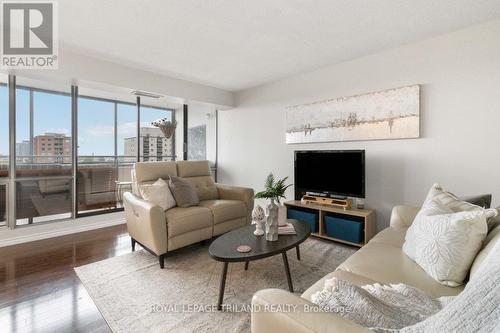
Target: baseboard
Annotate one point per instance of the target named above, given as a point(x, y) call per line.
point(34, 233)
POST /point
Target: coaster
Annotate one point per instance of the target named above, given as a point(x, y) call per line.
point(244, 249)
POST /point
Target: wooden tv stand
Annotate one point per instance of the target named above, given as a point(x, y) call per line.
point(369, 216)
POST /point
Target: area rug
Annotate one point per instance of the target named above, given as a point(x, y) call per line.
point(135, 295)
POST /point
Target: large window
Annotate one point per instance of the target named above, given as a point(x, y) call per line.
point(153, 144)
point(43, 177)
point(96, 155)
point(107, 149)
point(3, 204)
point(4, 128)
point(126, 138)
point(4, 148)
point(42, 187)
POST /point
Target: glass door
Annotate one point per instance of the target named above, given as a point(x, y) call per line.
point(43, 145)
point(97, 172)
point(4, 148)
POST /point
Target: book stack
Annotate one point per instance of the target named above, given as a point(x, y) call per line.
point(287, 229)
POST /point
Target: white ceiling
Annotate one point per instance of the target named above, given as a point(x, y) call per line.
point(237, 44)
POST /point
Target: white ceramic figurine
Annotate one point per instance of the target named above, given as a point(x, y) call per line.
point(258, 217)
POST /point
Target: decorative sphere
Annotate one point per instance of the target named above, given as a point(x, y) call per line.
point(258, 213)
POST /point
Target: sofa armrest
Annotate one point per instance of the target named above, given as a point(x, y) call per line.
point(299, 315)
point(244, 194)
point(403, 216)
point(146, 223)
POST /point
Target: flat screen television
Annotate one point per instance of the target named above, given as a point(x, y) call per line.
point(334, 173)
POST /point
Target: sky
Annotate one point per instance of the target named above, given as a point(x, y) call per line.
point(52, 113)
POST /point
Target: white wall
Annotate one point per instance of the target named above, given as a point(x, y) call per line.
point(460, 113)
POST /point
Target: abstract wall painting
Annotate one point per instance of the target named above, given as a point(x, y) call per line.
point(197, 143)
point(387, 114)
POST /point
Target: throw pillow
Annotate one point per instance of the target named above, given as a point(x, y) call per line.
point(483, 200)
point(451, 201)
point(184, 193)
point(158, 193)
point(445, 243)
point(464, 204)
point(494, 221)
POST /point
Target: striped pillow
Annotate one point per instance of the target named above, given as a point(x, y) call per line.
point(452, 202)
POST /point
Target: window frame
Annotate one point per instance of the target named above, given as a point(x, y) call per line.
point(12, 178)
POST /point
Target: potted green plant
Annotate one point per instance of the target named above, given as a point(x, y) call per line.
point(274, 190)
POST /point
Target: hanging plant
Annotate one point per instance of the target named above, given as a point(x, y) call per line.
point(166, 126)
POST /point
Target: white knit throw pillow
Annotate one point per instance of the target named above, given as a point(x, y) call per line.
point(158, 193)
point(446, 235)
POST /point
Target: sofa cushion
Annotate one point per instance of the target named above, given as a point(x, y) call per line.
point(339, 274)
point(193, 168)
point(204, 186)
point(388, 264)
point(489, 243)
point(391, 236)
point(145, 171)
point(182, 220)
point(223, 227)
point(183, 192)
point(225, 210)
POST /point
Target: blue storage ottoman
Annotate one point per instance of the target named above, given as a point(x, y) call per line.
point(309, 217)
point(343, 227)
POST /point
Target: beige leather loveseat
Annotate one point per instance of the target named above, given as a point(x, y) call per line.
point(221, 209)
point(381, 260)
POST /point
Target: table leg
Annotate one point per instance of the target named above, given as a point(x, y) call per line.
point(287, 271)
point(298, 252)
point(222, 286)
point(246, 265)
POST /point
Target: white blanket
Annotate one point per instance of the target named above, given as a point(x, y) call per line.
point(378, 307)
point(402, 308)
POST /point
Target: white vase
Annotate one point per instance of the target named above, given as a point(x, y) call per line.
point(281, 215)
point(272, 221)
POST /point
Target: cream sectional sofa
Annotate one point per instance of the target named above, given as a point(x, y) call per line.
point(221, 209)
point(381, 260)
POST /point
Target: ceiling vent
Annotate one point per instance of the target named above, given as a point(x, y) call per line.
point(145, 94)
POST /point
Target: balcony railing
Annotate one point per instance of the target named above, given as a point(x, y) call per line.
point(44, 186)
point(57, 165)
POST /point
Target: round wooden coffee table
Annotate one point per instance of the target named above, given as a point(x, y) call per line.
point(224, 249)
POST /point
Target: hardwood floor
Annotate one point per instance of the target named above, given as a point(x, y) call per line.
point(39, 290)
